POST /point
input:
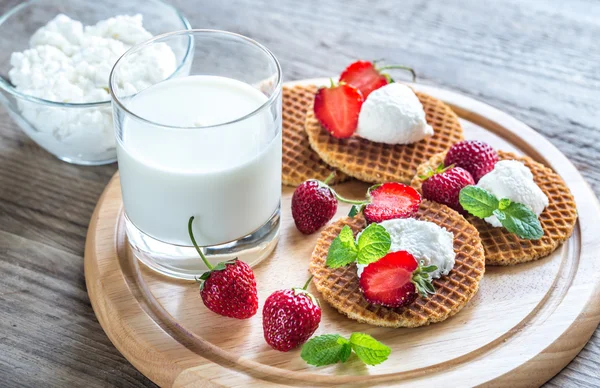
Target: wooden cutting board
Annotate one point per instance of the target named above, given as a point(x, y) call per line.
point(524, 325)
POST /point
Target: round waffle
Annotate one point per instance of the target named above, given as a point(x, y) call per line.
point(378, 162)
point(340, 288)
point(300, 162)
point(558, 218)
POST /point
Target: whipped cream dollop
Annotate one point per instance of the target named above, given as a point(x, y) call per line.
point(429, 243)
point(513, 180)
point(393, 114)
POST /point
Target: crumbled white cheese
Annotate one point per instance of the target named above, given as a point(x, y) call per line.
point(393, 114)
point(429, 243)
point(513, 180)
point(70, 63)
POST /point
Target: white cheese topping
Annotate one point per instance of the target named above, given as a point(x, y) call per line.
point(393, 114)
point(513, 180)
point(429, 243)
point(67, 62)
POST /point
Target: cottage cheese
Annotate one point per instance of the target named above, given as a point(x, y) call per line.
point(429, 243)
point(513, 180)
point(393, 114)
point(70, 63)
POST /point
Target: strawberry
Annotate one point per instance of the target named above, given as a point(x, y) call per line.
point(475, 156)
point(364, 76)
point(391, 200)
point(313, 205)
point(229, 288)
point(444, 185)
point(290, 317)
point(395, 280)
point(337, 108)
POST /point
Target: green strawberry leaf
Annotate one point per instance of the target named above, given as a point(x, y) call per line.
point(343, 249)
point(373, 243)
point(355, 209)
point(522, 221)
point(477, 201)
point(325, 350)
point(368, 349)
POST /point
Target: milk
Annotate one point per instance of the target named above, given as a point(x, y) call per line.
point(227, 176)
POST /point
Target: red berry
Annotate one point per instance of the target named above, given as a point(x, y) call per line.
point(290, 317)
point(364, 76)
point(392, 200)
point(337, 109)
point(231, 291)
point(444, 187)
point(475, 156)
point(394, 280)
point(313, 205)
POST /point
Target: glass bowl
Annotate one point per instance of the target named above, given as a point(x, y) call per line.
point(80, 133)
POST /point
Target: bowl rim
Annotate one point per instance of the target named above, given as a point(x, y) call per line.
point(277, 86)
point(8, 87)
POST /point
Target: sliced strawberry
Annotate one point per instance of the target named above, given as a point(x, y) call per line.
point(337, 108)
point(395, 280)
point(364, 76)
point(392, 200)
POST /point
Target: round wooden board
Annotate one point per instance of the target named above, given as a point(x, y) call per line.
point(524, 325)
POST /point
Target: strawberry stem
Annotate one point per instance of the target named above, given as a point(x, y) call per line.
point(346, 200)
point(329, 178)
point(332, 84)
point(307, 282)
point(414, 75)
point(191, 233)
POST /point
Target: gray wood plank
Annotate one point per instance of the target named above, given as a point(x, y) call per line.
point(537, 60)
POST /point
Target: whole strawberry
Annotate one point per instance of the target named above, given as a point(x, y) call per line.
point(313, 205)
point(229, 288)
point(290, 317)
point(475, 156)
point(444, 185)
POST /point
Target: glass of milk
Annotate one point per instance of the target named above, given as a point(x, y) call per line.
point(204, 142)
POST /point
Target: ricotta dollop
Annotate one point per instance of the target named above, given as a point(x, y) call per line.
point(393, 114)
point(513, 180)
point(429, 243)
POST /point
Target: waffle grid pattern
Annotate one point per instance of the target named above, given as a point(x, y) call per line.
point(378, 162)
point(558, 219)
point(300, 162)
point(340, 286)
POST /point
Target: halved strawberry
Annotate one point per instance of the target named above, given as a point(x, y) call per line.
point(337, 108)
point(391, 200)
point(364, 76)
point(395, 280)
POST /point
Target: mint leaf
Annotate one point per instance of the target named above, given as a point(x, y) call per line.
point(504, 203)
point(373, 243)
point(477, 201)
point(325, 350)
point(522, 221)
point(368, 349)
point(346, 350)
point(343, 249)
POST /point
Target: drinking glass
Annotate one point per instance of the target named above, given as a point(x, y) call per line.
point(204, 142)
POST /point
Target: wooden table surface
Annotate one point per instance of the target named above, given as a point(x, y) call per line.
point(537, 60)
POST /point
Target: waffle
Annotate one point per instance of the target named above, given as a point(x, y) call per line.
point(300, 162)
point(378, 162)
point(340, 286)
point(558, 219)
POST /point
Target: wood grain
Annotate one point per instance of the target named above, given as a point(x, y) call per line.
point(537, 60)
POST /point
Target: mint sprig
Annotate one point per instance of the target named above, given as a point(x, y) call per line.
point(373, 243)
point(330, 349)
point(515, 217)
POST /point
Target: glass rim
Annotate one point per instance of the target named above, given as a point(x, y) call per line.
point(6, 85)
point(149, 42)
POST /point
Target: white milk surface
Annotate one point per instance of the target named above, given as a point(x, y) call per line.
point(227, 176)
